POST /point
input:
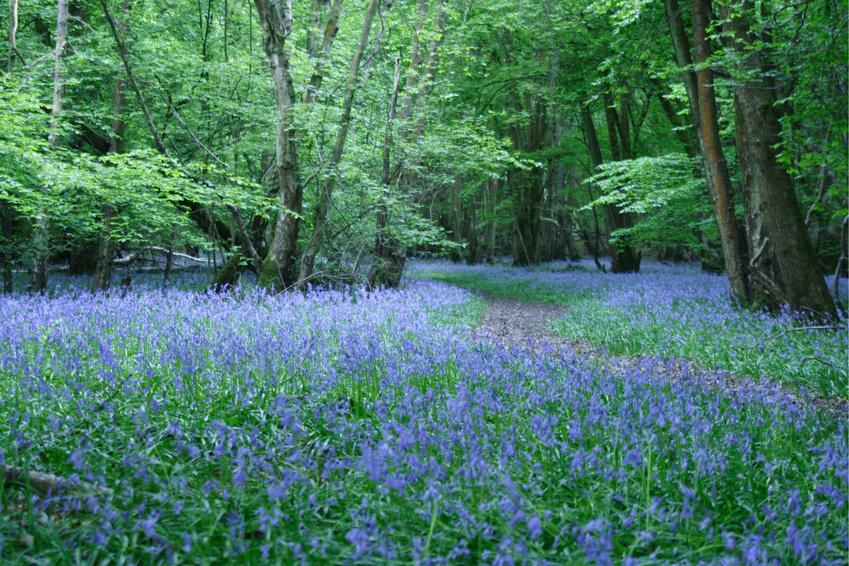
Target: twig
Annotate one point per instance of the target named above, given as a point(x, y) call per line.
point(807, 359)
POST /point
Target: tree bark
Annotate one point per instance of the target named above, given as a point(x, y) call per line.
point(105, 249)
point(41, 247)
point(320, 55)
point(388, 264)
point(6, 255)
point(716, 168)
point(625, 259)
point(321, 212)
point(783, 265)
point(169, 258)
point(12, 36)
point(278, 267)
point(391, 255)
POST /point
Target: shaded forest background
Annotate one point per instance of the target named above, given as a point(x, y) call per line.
point(325, 141)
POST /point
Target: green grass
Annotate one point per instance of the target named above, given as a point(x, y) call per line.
point(744, 343)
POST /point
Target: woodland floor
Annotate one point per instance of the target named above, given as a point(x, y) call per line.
point(527, 326)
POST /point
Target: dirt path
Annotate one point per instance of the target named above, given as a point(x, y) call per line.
point(523, 325)
point(527, 326)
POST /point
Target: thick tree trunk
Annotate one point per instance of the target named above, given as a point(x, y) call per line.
point(716, 168)
point(278, 267)
point(320, 219)
point(783, 265)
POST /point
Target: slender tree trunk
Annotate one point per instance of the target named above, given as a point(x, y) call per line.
point(12, 36)
point(392, 253)
point(783, 265)
point(321, 212)
point(388, 265)
point(457, 221)
point(105, 249)
point(716, 168)
point(41, 247)
point(320, 54)
point(473, 250)
point(169, 258)
point(6, 255)
point(843, 260)
point(529, 188)
point(625, 259)
point(492, 185)
point(594, 149)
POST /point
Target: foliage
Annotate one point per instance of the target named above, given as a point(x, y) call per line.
point(670, 201)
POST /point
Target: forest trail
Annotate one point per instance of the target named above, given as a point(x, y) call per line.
point(527, 326)
point(524, 325)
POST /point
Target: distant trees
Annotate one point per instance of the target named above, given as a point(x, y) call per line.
point(540, 130)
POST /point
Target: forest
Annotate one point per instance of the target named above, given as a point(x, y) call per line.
point(429, 281)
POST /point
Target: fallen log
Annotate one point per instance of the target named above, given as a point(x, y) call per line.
point(46, 482)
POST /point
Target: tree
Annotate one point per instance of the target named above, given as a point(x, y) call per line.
point(308, 261)
point(699, 84)
point(278, 267)
point(782, 263)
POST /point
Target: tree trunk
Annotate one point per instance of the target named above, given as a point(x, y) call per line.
point(457, 222)
point(314, 244)
point(105, 249)
point(278, 267)
point(41, 247)
point(843, 260)
point(6, 255)
point(529, 187)
point(392, 251)
point(169, 258)
point(388, 264)
point(103, 270)
point(320, 55)
point(12, 36)
point(716, 168)
point(782, 262)
point(594, 149)
point(625, 259)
